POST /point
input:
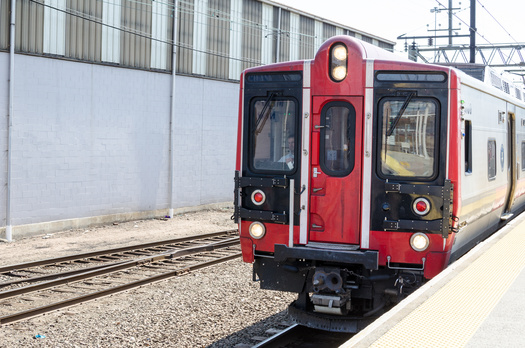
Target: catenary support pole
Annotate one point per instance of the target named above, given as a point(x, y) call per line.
point(8, 229)
point(172, 112)
point(472, 31)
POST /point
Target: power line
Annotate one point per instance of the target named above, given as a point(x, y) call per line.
point(490, 14)
point(478, 33)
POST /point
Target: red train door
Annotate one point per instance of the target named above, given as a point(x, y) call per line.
point(335, 206)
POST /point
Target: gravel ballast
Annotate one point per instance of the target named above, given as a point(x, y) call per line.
point(217, 307)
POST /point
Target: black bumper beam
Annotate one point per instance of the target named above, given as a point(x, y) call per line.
point(369, 259)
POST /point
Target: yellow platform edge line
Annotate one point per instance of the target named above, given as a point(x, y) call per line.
point(452, 315)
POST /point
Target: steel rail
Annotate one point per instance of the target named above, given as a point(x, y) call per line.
point(88, 297)
point(299, 336)
point(9, 268)
point(83, 270)
point(118, 267)
point(56, 275)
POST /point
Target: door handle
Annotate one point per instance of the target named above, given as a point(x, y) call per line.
point(318, 127)
point(317, 189)
point(316, 226)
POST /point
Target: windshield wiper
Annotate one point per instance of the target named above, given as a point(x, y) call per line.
point(400, 113)
point(263, 111)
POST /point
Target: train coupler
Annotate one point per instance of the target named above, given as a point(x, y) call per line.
point(332, 304)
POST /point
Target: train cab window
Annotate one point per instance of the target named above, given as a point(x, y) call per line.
point(338, 138)
point(408, 137)
point(491, 153)
point(273, 134)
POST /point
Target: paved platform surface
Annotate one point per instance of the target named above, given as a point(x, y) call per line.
point(479, 301)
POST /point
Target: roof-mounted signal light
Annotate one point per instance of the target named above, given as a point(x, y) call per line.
point(338, 62)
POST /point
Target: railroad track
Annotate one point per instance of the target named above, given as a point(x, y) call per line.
point(305, 337)
point(129, 267)
point(41, 270)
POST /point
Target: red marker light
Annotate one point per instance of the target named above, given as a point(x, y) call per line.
point(421, 206)
point(258, 197)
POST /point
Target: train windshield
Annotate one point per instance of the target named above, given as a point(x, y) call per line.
point(273, 135)
point(408, 137)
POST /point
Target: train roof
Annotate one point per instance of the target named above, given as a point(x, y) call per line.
point(490, 77)
point(468, 72)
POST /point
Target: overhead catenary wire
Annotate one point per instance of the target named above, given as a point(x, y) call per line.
point(477, 31)
point(498, 22)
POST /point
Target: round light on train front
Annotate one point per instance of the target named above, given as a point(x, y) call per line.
point(257, 230)
point(419, 241)
point(421, 206)
point(339, 52)
point(258, 197)
point(339, 73)
point(338, 62)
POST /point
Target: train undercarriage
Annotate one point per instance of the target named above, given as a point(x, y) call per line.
point(333, 296)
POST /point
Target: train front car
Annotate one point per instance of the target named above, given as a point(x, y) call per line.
point(342, 193)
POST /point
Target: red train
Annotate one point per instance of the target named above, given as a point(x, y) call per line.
point(359, 175)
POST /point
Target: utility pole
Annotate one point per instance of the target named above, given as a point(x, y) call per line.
point(432, 40)
point(435, 11)
point(472, 31)
point(450, 22)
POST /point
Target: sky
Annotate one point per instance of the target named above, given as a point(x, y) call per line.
point(498, 21)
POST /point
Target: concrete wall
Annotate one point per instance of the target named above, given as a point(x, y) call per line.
point(206, 129)
point(91, 140)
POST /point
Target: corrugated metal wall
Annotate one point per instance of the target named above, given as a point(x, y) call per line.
point(83, 37)
point(29, 35)
point(235, 61)
point(4, 24)
point(282, 34)
point(135, 47)
point(218, 38)
point(366, 39)
point(267, 35)
point(185, 37)
point(138, 33)
point(161, 35)
point(349, 32)
point(307, 37)
point(284, 51)
point(252, 33)
point(111, 13)
point(328, 31)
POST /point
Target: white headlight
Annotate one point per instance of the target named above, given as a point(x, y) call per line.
point(257, 230)
point(338, 62)
point(419, 241)
point(339, 52)
point(339, 73)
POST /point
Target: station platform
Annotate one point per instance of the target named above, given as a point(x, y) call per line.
point(478, 301)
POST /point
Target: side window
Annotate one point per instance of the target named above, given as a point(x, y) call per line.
point(468, 147)
point(337, 154)
point(491, 152)
point(523, 156)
